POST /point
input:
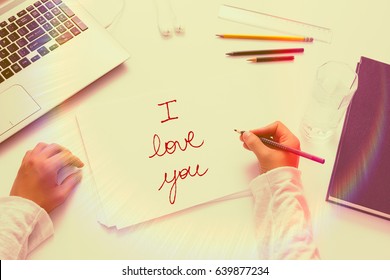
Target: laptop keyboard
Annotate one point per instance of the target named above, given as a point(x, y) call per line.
point(33, 33)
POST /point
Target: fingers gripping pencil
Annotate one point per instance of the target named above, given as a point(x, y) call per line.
point(287, 149)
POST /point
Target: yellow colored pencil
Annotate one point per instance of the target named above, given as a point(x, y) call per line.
point(266, 37)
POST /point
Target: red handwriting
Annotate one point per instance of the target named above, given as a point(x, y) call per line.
point(182, 174)
point(170, 146)
point(168, 112)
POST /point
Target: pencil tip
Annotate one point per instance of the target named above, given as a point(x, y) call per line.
point(251, 59)
point(218, 35)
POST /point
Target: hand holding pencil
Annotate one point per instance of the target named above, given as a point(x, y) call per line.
point(270, 158)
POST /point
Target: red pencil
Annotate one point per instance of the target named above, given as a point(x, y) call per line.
point(271, 59)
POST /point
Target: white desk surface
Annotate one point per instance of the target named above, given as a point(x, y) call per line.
point(276, 91)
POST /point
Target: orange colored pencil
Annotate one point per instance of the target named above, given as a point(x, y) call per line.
point(266, 37)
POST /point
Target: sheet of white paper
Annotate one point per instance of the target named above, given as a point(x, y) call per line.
point(159, 154)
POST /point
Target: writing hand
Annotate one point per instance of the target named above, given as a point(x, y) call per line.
point(37, 176)
point(269, 157)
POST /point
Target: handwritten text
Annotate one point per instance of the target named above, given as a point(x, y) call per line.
point(161, 148)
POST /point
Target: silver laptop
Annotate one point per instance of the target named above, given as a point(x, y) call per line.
point(49, 50)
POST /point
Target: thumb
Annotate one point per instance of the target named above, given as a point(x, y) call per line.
point(253, 143)
point(71, 182)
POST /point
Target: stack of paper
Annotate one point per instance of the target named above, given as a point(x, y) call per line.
point(155, 155)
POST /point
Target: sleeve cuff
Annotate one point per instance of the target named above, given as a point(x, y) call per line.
point(275, 177)
point(31, 222)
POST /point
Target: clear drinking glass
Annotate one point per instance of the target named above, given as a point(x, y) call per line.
point(333, 89)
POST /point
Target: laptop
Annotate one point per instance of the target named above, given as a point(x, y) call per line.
point(49, 50)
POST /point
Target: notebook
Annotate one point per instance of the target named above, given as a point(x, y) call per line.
point(361, 173)
point(49, 50)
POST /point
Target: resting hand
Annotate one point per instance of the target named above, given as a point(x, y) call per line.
point(37, 177)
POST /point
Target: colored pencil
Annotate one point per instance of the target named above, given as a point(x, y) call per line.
point(266, 37)
point(271, 59)
point(265, 52)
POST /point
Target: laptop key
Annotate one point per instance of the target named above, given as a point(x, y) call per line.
point(41, 20)
point(7, 73)
point(22, 42)
point(56, 11)
point(61, 29)
point(5, 63)
point(12, 48)
point(24, 62)
point(23, 31)
point(35, 58)
point(3, 24)
point(48, 15)
point(23, 52)
point(39, 42)
point(14, 36)
point(35, 13)
point(12, 27)
point(3, 32)
point(50, 5)
point(21, 13)
point(32, 25)
point(43, 51)
point(4, 53)
point(55, 22)
point(35, 34)
point(42, 9)
point(79, 23)
point(62, 18)
point(75, 31)
point(53, 33)
point(16, 67)
point(4, 42)
point(24, 20)
point(68, 24)
point(64, 38)
point(14, 57)
point(66, 10)
point(47, 26)
point(53, 47)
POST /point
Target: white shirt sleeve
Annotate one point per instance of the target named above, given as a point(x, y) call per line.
point(23, 226)
point(283, 226)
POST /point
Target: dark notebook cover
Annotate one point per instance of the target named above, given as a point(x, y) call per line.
point(361, 173)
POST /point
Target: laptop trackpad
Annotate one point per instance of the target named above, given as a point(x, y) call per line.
point(15, 106)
